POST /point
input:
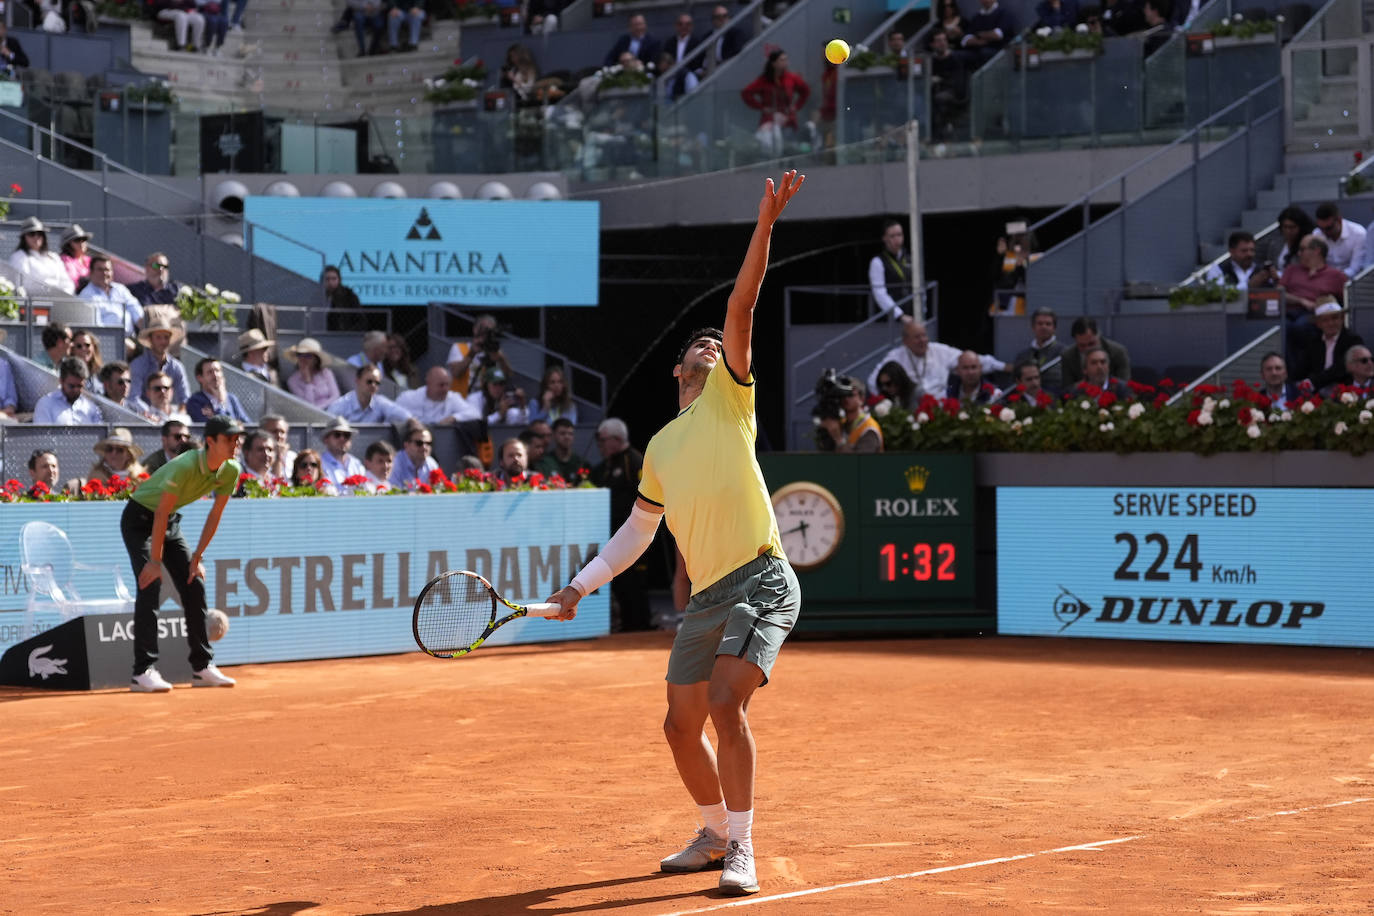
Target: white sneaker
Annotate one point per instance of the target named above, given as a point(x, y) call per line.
point(738, 878)
point(149, 681)
point(705, 851)
point(210, 676)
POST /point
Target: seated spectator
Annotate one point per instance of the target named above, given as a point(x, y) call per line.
point(76, 254)
point(684, 82)
point(411, 13)
point(511, 462)
point(415, 462)
point(337, 298)
point(778, 95)
point(9, 394)
point(396, 365)
point(889, 272)
point(157, 286)
point(67, 405)
point(115, 306)
point(259, 449)
point(1044, 347)
point(680, 50)
point(1029, 386)
point(157, 404)
point(989, 31)
point(378, 459)
point(1056, 14)
point(176, 438)
point(36, 263)
point(12, 56)
point(856, 431)
point(43, 468)
point(969, 385)
point(1239, 266)
point(1359, 366)
point(725, 42)
point(1321, 358)
point(1306, 282)
point(1086, 339)
point(497, 401)
point(158, 337)
point(1123, 17)
point(561, 459)
point(114, 383)
point(536, 439)
point(1344, 239)
point(254, 347)
point(86, 347)
point(949, 83)
point(283, 456)
point(188, 25)
point(1159, 25)
point(436, 404)
point(118, 456)
point(896, 43)
point(307, 469)
point(949, 18)
point(1294, 226)
point(364, 405)
point(896, 386)
point(1097, 378)
point(213, 397)
point(336, 464)
point(216, 25)
point(636, 41)
point(57, 345)
point(373, 352)
point(1275, 385)
point(368, 16)
point(926, 362)
point(312, 381)
point(555, 397)
point(520, 74)
point(466, 360)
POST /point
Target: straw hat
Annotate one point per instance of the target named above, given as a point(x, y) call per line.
point(336, 425)
point(74, 232)
point(118, 436)
point(32, 224)
point(310, 347)
point(253, 339)
point(1328, 308)
point(158, 322)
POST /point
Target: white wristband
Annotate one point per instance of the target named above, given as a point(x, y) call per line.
point(595, 574)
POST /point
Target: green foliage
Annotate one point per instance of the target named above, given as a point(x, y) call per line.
point(1204, 293)
point(1065, 41)
point(1240, 27)
point(861, 58)
point(207, 305)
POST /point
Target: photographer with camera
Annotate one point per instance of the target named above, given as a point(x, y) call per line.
point(467, 360)
point(842, 422)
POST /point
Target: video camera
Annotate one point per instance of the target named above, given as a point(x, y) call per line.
point(831, 390)
point(491, 343)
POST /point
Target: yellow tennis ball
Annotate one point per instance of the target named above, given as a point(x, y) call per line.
point(837, 51)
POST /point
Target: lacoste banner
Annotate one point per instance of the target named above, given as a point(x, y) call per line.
point(1187, 564)
point(412, 252)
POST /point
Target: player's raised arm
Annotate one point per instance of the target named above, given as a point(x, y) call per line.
point(739, 314)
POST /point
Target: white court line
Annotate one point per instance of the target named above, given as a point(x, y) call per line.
point(750, 901)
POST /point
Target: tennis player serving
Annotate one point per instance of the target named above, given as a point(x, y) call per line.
point(701, 472)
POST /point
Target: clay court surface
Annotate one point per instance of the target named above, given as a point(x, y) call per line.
point(950, 775)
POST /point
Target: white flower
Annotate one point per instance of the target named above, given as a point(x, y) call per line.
point(1349, 397)
point(1081, 28)
point(1369, 404)
point(185, 292)
point(1102, 412)
point(1287, 416)
point(1340, 428)
point(211, 290)
point(1209, 404)
point(470, 83)
point(1007, 415)
point(912, 421)
point(1085, 404)
point(230, 297)
point(1279, 18)
point(1204, 419)
point(1366, 416)
point(1135, 410)
point(963, 415)
point(1238, 17)
point(1308, 407)
point(1027, 421)
point(1253, 431)
point(1105, 427)
point(1225, 403)
point(1274, 418)
point(882, 408)
point(1044, 31)
point(429, 83)
point(1016, 426)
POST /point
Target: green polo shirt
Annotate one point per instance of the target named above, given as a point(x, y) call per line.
point(189, 477)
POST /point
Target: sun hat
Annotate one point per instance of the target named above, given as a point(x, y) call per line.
point(158, 322)
point(118, 436)
point(310, 347)
point(32, 224)
point(74, 232)
point(253, 339)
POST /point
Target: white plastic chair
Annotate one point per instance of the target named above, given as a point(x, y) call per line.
point(48, 564)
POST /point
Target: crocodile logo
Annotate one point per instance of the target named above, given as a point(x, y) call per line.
point(42, 666)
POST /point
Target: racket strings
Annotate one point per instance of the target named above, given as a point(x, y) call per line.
point(453, 614)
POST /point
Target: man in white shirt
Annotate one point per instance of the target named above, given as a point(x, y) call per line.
point(67, 405)
point(336, 464)
point(1239, 267)
point(115, 305)
point(928, 363)
point(437, 404)
point(414, 462)
point(889, 273)
point(378, 459)
point(364, 405)
point(283, 456)
point(1344, 239)
point(373, 352)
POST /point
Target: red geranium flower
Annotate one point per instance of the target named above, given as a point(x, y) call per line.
point(16, 189)
point(355, 480)
point(1014, 396)
point(423, 487)
point(40, 488)
point(244, 478)
point(1245, 416)
point(1161, 400)
point(1167, 382)
point(13, 485)
point(1192, 416)
point(437, 476)
point(1106, 399)
point(1043, 400)
point(1141, 387)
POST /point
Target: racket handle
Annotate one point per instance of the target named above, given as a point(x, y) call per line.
point(544, 609)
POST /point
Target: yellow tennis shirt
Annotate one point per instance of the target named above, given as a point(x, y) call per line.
point(701, 468)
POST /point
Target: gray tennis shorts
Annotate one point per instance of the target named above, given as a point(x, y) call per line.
point(747, 614)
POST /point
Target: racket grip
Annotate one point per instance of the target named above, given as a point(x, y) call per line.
point(544, 609)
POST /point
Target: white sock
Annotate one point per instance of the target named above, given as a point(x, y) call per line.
point(713, 816)
point(742, 827)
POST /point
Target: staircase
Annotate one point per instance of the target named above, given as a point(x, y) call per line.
point(1325, 97)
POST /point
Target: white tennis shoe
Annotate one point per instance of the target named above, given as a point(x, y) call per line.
point(739, 878)
point(150, 681)
point(210, 676)
point(704, 852)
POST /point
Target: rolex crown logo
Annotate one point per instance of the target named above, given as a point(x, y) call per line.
point(916, 477)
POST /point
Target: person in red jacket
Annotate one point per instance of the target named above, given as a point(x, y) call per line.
point(778, 94)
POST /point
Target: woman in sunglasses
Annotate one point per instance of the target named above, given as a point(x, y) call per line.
point(307, 472)
point(118, 455)
point(38, 264)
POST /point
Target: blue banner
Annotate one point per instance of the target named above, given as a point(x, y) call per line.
point(1188, 564)
point(334, 577)
point(412, 252)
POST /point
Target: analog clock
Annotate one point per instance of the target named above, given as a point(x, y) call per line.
point(811, 522)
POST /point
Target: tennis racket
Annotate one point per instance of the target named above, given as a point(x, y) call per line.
point(456, 613)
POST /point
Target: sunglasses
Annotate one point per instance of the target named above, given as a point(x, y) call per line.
point(181, 437)
point(159, 266)
point(83, 345)
point(343, 435)
point(160, 387)
point(1363, 359)
point(111, 449)
point(421, 441)
point(310, 464)
point(120, 381)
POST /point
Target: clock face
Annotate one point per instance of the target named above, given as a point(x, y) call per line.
point(811, 523)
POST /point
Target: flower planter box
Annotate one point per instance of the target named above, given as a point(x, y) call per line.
point(623, 92)
point(1232, 41)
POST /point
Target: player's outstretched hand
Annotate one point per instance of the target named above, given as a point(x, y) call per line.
point(567, 598)
point(776, 198)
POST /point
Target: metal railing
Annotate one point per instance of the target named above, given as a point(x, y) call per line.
point(1243, 365)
